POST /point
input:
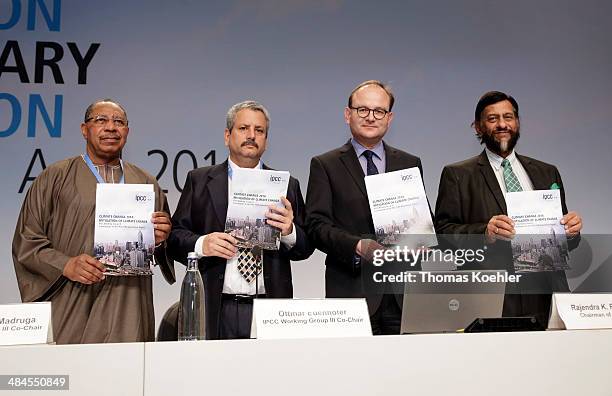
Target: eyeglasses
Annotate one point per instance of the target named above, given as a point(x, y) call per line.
point(101, 120)
point(364, 112)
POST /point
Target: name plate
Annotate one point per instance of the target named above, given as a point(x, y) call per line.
point(28, 323)
point(580, 311)
point(277, 318)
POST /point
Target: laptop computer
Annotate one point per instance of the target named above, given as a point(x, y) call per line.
point(440, 307)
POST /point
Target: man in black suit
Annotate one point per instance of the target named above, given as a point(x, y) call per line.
point(199, 223)
point(338, 215)
point(471, 197)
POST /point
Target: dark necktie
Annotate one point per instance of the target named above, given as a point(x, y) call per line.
point(370, 165)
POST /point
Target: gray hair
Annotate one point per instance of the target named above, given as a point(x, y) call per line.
point(230, 119)
point(105, 100)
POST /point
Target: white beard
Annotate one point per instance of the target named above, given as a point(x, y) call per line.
point(503, 145)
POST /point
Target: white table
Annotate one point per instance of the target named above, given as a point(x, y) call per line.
point(540, 363)
point(94, 369)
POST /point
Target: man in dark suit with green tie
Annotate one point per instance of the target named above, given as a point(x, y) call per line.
point(471, 194)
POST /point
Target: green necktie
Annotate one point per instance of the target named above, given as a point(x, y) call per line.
point(512, 182)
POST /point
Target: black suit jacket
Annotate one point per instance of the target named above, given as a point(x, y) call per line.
point(469, 195)
point(338, 215)
point(202, 209)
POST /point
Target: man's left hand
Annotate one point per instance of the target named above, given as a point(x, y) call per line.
point(573, 223)
point(281, 218)
point(162, 226)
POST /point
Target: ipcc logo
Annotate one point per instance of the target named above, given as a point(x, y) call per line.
point(406, 177)
point(276, 179)
point(141, 198)
point(547, 197)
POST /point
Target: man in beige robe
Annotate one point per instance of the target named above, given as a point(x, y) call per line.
point(53, 241)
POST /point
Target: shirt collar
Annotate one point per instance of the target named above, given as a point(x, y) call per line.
point(378, 150)
point(231, 166)
point(496, 160)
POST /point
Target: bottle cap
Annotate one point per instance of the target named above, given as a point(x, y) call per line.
point(192, 255)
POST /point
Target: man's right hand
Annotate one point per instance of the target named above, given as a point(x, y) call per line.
point(366, 247)
point(84, 269)
point(219, 244)
point(499, 227)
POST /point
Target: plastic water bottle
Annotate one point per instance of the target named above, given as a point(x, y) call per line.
point(191, 320)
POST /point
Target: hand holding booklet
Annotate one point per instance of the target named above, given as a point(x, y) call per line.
point(252, 192)
point(540, 243)
point(400, 210)
point(124, 239)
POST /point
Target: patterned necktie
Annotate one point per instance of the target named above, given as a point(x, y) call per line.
point(512, 182)
point(370, 165)
point(249, 264)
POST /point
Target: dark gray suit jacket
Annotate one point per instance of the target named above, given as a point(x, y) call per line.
point(202, 209)
point(338, 215)
point(469, 195)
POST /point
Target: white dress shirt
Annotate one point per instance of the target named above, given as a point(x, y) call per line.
point(234, 282)
point(522, 176)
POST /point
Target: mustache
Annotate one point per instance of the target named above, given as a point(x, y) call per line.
point(110, 136)
point(504, 130)
point(249, 143)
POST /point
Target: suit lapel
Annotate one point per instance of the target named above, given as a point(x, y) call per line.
point(392, 159)
point(350, 161)
point(217, 189)
point(491, 180)
point(537, 179)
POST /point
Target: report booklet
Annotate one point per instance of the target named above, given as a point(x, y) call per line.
point(540, 243)
point(124, 239)
point(400, 210)
point(252, 192)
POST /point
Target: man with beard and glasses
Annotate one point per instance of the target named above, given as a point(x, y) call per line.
point(199, 224)
point(471, 196)
point(54, 240)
